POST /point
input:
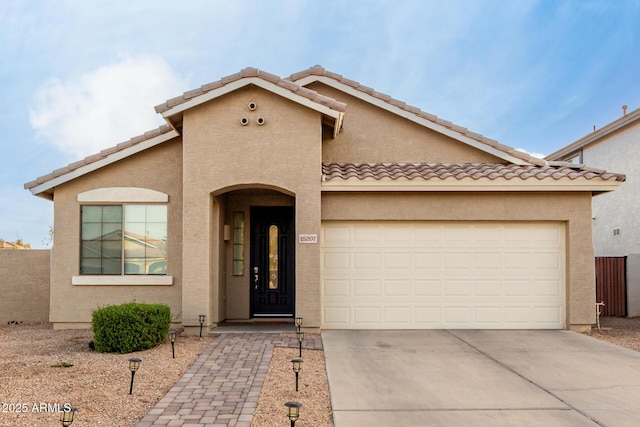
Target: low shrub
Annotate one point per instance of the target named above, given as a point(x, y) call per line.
point(130, 327)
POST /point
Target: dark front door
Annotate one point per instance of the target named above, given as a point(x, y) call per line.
point(272, 261)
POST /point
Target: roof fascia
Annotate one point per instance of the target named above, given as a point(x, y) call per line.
point(612, 127)
point(41, 189)
point(469, 185)
point(266, 85)
point(410, 116)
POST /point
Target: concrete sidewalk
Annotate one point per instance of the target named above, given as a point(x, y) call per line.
point(498, 378)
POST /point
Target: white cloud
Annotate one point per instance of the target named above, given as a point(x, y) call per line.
point(99, 109)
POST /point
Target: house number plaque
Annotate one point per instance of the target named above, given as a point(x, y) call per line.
point(308, 238)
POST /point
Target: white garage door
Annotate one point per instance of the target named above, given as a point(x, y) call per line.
point(442, 275)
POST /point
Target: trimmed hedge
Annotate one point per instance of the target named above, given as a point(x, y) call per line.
point(130, 327)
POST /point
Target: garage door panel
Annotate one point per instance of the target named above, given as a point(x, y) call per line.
point(490, 261)
point(457, 261)
point(397, 260)
point(398, 315)
point(336, 260)
point(336, 316)
point(398, 288)
point(337, 288)
point(443, 275)
point(457, 287)
point(428, 287)
point(366, 287)
point(368, 234)
point(366, 260)
point(427, 316)
point(427, 260)
point(367, 316)
point(338, 234)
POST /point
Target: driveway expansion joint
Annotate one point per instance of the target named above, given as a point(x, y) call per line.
point(512, 370)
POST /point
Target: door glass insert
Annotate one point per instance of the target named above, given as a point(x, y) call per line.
point(273, 257)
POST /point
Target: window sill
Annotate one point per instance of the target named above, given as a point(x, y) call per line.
point(122, 280)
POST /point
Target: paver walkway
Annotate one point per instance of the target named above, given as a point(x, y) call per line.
point(223, 385)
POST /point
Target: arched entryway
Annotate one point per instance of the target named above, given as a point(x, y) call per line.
point(257, 253)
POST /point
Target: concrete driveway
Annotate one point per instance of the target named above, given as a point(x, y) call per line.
point(497, 378)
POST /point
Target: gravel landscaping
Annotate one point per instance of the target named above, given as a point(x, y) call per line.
point(621, 331)
point(34, 379)
point(42, 369)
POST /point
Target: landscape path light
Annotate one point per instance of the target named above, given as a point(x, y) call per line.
point(134, 365)
point(201, 318)
point(297, 367)
point(66, 416)
point(298, 322)
point(300, 336)
point(172, 338)
point(294, 411)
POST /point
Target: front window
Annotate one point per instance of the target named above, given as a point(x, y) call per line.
point(124, 239)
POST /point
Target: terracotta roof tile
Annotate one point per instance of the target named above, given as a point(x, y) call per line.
point(210, 86)
point(231, 78)
point(249, 72)
point(193, 93)
point(460, 171)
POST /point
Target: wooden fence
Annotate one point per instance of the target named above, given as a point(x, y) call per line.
point(611, 285)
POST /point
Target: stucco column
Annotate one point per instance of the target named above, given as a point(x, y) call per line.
point(581, 296)
point(196, 257)
point(308, 294)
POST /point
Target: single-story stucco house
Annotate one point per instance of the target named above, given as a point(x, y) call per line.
point(318, 197)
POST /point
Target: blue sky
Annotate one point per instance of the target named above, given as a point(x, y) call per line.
point(78, 76)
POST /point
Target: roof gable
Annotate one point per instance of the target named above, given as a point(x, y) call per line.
point(414, 114)
point(330, 108)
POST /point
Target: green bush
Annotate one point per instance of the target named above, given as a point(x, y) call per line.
point(130, 327)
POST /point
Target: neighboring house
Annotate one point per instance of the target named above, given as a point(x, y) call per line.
point(616, 224)
point(18, 244)
point(318, 197)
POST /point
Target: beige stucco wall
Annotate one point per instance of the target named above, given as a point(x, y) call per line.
point(220, 156)
point(371, 134)
point(158, 168)
point(24, 286)
point(572, 209)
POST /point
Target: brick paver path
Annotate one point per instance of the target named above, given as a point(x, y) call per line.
point(223, 385)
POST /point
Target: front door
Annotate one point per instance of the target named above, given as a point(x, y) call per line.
point(272, 261)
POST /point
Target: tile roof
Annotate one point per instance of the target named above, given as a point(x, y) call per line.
point(253, 72)
point(318, 70)
point(164, 129)
point(542, 168)
point(459, 171)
